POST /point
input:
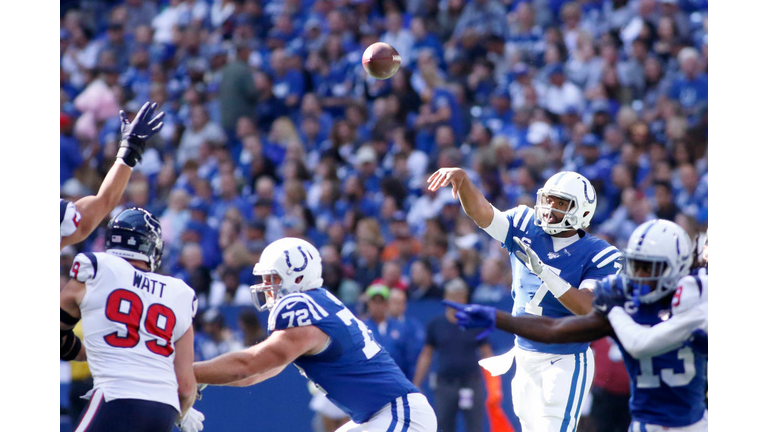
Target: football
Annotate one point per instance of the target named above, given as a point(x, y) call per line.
point(380, 60)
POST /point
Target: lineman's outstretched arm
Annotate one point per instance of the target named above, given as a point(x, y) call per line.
point(280, 349)
point(581, 328)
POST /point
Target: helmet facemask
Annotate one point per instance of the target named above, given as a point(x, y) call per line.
point(544, 209)
point(651, 277)
point(266, 294)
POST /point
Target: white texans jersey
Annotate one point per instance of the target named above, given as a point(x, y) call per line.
point(69, 218)
point(131, 321)
point(693, 293)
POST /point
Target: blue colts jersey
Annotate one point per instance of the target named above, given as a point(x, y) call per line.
point(667, 390)
point(354, 372)
point(588, 258)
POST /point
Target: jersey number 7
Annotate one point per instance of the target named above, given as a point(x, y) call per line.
point(126, 307)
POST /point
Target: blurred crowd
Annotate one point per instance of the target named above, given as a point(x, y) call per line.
point(273, 129)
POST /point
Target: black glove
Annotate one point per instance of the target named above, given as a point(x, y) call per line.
point(136, 133)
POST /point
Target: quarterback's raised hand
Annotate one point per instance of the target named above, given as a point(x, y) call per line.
point(474, 316)
point(191, 422)
point(446, 176)
point(136, 133)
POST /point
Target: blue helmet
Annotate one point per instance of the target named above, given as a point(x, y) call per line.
point(135, 234)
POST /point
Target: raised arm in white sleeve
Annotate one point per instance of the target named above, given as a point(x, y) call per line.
point(499, 226)
point(689, 312)
point(642, 341)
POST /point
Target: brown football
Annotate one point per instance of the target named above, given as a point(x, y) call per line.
point(380, 60)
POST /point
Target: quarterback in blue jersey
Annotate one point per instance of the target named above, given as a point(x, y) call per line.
point(312, 329)
point(555, 266)
point(666, 368)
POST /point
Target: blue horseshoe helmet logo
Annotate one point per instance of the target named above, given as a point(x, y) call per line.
point(586, 194)
point(288, 261)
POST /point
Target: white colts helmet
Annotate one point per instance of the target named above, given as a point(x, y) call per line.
point(664, 250)
point(297, 263)
point(570, 186)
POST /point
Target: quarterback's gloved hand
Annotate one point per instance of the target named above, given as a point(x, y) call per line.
point(606, 298)
point(556, 285)
point(699, 342)
point(191, 422)
point(136, 133)
point(474, 316)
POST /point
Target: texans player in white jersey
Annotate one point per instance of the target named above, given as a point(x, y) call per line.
point(555, 265)
point(137, 332)
point(78, 220)
point(312, 329)
point(665, 365)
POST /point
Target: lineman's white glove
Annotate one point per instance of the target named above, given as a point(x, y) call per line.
point(556, 285)
point(191, 422)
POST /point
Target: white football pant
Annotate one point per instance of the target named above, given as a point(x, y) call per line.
point(548, 390)
point(411, 414)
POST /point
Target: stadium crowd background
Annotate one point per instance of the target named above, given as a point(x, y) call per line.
point(273, 129)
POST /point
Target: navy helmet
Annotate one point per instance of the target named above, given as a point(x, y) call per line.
point(136, 234)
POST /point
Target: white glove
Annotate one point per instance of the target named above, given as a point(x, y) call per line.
point(556, 285)
point(191, 422)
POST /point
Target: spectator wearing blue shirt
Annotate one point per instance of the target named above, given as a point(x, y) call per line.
point(229, 197)
point(288, 84)
point(690, 88)
point(390, 333)
point(268, 106)
point(412, 331)
point(691, 195)
point(424, 40)
point(70, 158)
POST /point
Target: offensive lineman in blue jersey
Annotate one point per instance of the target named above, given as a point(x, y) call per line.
point(326, 342)
point(667, 386)
point(551, 378)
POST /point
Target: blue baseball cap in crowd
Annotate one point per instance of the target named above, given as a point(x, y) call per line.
point(590, 140)
point(195, 226)
point(556, 69)
point(198, 204)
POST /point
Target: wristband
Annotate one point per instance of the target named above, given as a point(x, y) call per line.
point(555, 284)
point(122, 162)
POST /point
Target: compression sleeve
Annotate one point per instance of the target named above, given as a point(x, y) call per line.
point(642, 341)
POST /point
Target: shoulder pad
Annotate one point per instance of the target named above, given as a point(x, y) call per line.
point(85, 267)
point(295, 310)
point(606, 255)
point(691, 291)
point(520, 216)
